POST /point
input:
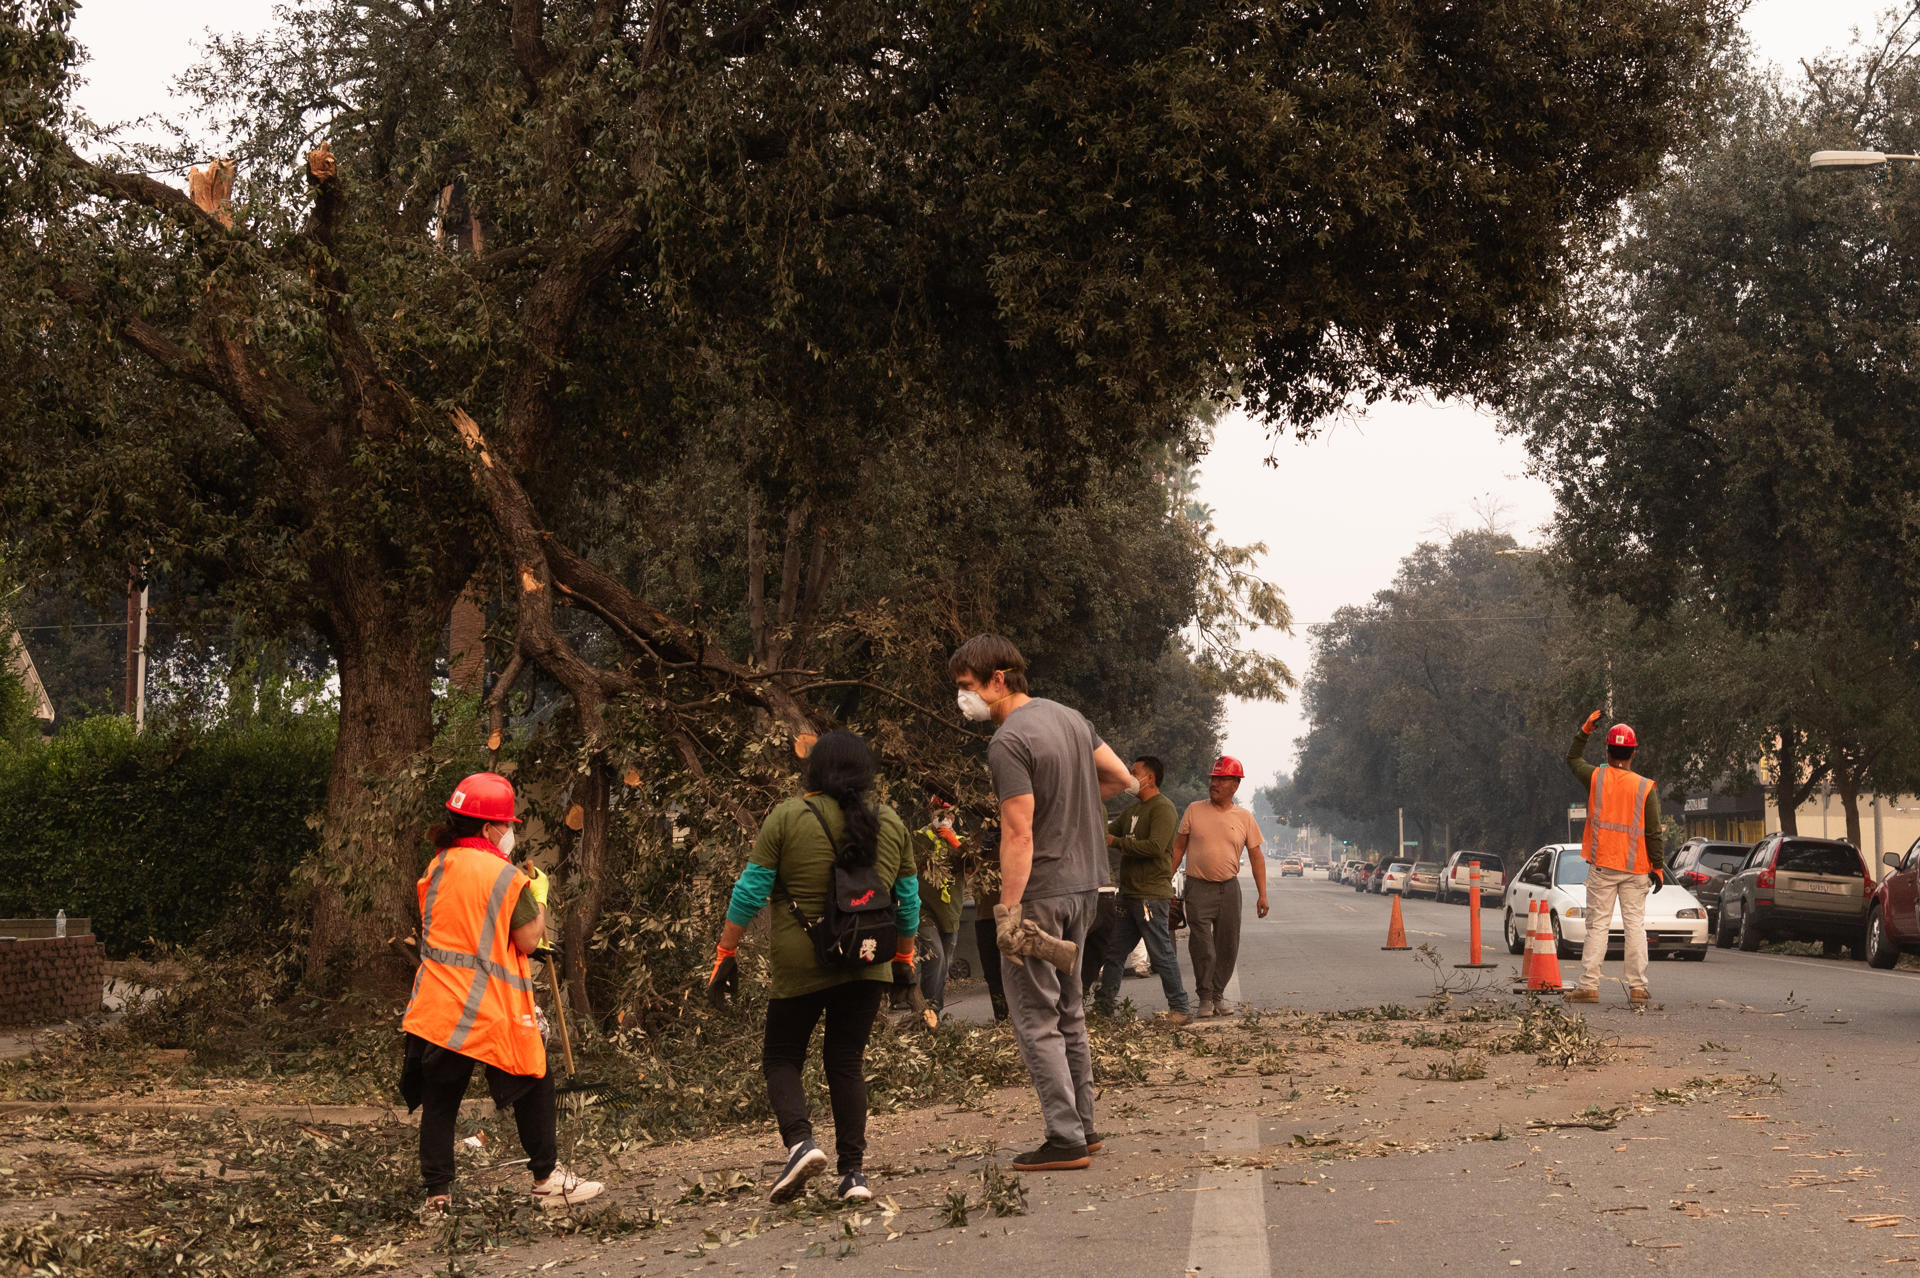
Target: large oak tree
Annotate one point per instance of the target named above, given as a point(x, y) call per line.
point(551, 239)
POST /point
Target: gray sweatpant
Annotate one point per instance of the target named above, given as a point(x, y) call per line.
point(1050, 1019)
point(1213, 935)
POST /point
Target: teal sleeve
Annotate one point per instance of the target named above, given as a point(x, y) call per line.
point(750, 893)
point(906, 905)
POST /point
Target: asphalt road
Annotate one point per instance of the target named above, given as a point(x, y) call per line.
point(1798, 1159)
point(1779, 1185)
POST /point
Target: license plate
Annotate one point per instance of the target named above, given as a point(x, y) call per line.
point(1832, 889)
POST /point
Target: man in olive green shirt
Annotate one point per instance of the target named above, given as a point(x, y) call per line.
point(1141, 838)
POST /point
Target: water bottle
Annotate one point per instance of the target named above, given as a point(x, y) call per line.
point(60, 923)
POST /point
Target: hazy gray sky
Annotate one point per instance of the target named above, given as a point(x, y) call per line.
point(1336, 513)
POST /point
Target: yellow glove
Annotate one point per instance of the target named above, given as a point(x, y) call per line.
point(538, 884)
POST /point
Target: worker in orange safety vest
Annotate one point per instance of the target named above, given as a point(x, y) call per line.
point(1623, 845)
point(472, 1002)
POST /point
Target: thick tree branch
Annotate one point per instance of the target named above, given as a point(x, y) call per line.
point(536, 637)
point(530, 51)
point(373, 405)
point(548, 316)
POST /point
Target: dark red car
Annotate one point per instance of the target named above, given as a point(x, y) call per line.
point(1893, 910)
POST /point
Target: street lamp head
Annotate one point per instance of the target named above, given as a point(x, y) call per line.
point(1850, 159)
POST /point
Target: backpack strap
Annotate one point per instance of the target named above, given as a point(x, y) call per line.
point(824, 830)
point(799, 915)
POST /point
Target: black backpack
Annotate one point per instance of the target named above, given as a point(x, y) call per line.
point(857, 929)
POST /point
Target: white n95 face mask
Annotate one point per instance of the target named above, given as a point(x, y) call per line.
point(506, 842)
point(974, 706)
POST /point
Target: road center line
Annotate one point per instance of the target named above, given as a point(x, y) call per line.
point(1230, 1219)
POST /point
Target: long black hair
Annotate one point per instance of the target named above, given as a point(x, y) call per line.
point(841, 767)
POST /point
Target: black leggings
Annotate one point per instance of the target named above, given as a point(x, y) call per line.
point(445, 1084)
point(850, 1008)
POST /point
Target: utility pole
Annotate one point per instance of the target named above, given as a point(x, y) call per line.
point(136, 683)
point(1401, 847)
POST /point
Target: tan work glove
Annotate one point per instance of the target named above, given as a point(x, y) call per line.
point(1020, 938)
point(1006, 931)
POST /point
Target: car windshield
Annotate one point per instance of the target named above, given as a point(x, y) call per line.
point(1726, 861)
point(1427, 867)
point(1487, 862)
point(1572, 870)
point(1398, 867)
point(1818, 858)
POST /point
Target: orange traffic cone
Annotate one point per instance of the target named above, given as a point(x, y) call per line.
point(1543, 975)
point(1397, 929)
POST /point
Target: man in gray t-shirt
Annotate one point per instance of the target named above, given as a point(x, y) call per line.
point(1046, 750)
point(1051, 773)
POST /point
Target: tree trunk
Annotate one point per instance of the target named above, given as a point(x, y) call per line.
point(586, 881)
point(1786, 789)
point(369, 857)
point(1848, 784)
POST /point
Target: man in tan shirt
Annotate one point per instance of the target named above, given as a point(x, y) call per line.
point(1212, 836)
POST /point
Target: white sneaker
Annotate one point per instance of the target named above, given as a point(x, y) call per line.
point(563, 1189)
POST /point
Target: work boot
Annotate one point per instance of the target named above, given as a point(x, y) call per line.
point(1638, 994)
point(1053, 1156)
point(1204, 1009)
point(563, 1189)
point(1174, 1018)
point(1582, 994)
point(804, 1161)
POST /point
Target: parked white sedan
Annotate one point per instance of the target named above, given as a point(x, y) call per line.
point(1676, 921)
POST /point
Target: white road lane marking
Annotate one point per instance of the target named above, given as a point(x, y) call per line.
point(1230, 1224)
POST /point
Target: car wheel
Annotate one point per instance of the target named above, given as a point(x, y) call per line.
point(1722, 933)
point(1881, 951)
point(1750, 938)
point(1516, 944)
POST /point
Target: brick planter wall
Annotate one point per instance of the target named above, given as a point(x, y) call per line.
point(48, 979)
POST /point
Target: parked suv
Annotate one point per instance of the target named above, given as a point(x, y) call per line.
point(1454, 884)
point(1796, 889)
point(1893, 910)
point(1701, 866)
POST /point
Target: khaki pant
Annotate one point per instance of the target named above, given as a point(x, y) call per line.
point(1213, 935)
point(1604, 887)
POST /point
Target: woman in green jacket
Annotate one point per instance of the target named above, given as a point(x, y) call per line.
point(837, 819)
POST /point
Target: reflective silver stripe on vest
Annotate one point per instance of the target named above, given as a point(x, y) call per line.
point(474, 963)
point(478, 991)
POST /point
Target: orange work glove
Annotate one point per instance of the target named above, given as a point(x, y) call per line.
point(725, 980)
point(1591, 720)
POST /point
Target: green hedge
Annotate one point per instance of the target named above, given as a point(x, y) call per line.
point(168, 838)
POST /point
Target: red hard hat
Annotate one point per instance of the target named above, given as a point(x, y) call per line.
point(1621, 735)
point(486, 795)
point(1228, 766)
